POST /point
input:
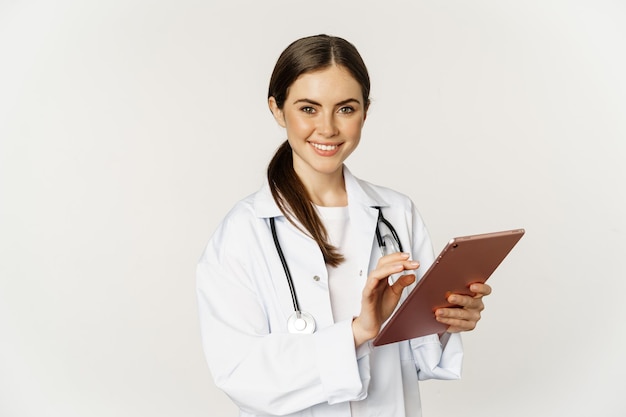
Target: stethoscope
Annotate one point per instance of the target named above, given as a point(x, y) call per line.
point(303, 322)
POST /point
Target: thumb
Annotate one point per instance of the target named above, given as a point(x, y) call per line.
point(402, 282)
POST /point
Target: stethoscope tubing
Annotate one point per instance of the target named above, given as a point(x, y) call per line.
point(381, 241)
point(303, 322)
point(281, 255)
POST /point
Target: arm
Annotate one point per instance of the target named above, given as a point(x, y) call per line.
point(435, 356)
point(442, 357)
point(264, 369)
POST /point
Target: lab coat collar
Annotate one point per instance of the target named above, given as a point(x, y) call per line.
point(359, 193)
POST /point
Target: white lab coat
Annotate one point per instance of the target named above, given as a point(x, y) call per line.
point(244, 304)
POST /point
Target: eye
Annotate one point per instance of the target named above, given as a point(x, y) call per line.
point(346, 110)
point(307, 109)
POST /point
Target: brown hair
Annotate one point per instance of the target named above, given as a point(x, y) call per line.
point(302, 56)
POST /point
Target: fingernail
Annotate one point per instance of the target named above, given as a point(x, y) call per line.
point(414, 264)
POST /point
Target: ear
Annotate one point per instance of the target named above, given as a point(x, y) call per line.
point(276, 111)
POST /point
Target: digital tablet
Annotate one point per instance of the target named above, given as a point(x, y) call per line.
point(464, 261)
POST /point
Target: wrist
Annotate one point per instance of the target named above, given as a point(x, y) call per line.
point(360, 335)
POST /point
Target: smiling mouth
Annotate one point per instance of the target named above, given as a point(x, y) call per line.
point(324, 147)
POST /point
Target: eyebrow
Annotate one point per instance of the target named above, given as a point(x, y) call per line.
point(341, 103)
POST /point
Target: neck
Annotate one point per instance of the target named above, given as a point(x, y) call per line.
point(327, 190)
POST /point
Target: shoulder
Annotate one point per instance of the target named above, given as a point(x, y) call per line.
point(241, 217)
point(386, 196)
point(240, 225)
point(385, 192)
point(396, 205)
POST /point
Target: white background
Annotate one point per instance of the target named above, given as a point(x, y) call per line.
point(128, 128)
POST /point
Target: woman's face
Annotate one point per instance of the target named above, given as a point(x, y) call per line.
point(323, 113)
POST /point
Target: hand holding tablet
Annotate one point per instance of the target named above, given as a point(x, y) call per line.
point(464, 261)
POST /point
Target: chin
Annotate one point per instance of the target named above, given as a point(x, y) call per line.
point(329, 170)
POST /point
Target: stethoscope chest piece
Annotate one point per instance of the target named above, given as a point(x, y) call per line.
point(301, 322)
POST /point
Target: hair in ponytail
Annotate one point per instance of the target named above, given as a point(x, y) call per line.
point(293, 200)
point(302, 56)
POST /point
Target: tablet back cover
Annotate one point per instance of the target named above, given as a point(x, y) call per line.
point(464, 260)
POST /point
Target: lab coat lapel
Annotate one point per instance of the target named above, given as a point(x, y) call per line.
point(309, 272)
point(363, 217)
point(305, 262)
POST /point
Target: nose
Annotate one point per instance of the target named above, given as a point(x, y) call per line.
point(327, 126)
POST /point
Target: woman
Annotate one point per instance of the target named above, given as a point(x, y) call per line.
point(325, 221)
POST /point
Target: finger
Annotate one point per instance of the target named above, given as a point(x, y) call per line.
point(393, 258)
point(387, 269)
point(410, 265)
point(379, 277)
point(383, 271)
point(457, 314)
point(467, 301)
point(458, 324)
point(402, 282)
point(454, 313)
point(480, 289)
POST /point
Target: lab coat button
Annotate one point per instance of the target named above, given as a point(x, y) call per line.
point(316, 278)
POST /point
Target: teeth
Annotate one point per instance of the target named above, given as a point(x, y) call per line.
point(324, 147)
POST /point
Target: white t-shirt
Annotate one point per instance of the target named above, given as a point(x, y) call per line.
point(344, 281)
